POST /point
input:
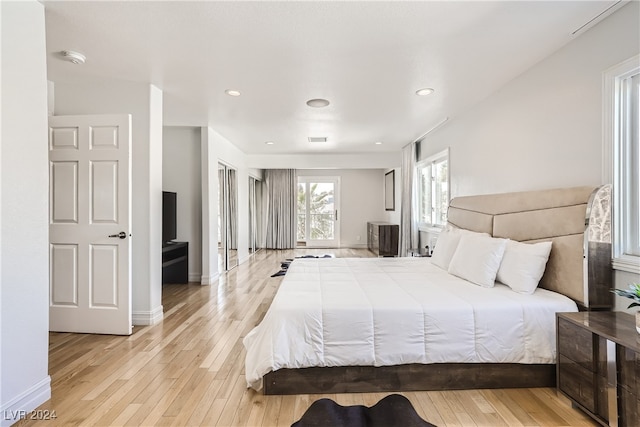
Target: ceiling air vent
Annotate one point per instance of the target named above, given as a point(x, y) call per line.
point(317, 139)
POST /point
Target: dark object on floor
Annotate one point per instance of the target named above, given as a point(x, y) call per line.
point(394, 410)
point(284, 265)
point(316, 256)
point(279, 273)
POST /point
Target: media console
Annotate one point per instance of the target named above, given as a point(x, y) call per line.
point(175, 262)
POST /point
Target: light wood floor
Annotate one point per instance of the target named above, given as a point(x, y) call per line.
point(189, 369)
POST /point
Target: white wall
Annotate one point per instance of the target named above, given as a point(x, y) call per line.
point(181, 174)
point(144, 103)
point(361, 200)
point(544, 128)
point(24, 233)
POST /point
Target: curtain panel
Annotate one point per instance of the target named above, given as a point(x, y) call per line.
point(281, 208)
point(409, 235)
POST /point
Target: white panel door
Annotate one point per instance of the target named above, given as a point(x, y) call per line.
point(89, 224)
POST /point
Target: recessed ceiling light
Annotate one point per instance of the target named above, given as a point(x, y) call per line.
point(73, 57)
point(424, 91)
point(232, 92)
point(269, 142)
point(317, 103)
point(378, 143)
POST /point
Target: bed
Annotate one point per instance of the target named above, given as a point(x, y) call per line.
point(399, 324)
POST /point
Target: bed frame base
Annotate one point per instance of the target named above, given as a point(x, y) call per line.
point(414, 377)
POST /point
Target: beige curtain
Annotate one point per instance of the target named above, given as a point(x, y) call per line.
point(281, 208)
point(409, 235)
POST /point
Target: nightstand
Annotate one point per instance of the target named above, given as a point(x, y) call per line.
point(598, 365)
point(419, 252)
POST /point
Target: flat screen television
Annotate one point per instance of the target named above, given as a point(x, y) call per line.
point(169, 220)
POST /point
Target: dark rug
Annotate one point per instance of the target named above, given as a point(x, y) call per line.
point(394, 410)
point(285, 264)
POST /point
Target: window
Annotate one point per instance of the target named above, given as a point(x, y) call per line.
point(622, 160)
point(433, 189)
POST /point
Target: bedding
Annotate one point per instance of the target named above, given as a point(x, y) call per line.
point(391, 311)
point(523, 265)
point(477, 258)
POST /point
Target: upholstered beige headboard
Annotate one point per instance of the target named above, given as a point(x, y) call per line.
point(558, 215)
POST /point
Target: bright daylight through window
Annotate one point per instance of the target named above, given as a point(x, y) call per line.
point(316, 210)
point(622, 131)
point(433, 189)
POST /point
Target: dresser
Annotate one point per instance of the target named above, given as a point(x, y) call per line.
point(383, 238)
point(598, 365)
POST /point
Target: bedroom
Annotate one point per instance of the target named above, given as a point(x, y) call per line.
point(514, 127)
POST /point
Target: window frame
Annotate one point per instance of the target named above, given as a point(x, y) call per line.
point(618, 168)
point(430, 162)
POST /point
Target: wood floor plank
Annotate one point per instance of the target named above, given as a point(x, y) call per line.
point(272, 406)
point(286, 415)
point(502, 408)
point(425, 407)
point(188, 370)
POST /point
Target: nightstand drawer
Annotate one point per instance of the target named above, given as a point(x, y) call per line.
point(629, 409)
point(629, 370)
point(576, 343)
point(599, 365)
point(576, 382)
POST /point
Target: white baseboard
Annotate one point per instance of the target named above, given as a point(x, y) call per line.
point(354, 245)
point(145, 318)
point(194, 277)
point(209, 280)
point(21, 406)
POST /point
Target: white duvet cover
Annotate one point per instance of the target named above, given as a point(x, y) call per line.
point(391, 311)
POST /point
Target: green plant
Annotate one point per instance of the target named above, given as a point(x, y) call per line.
point(633, 293)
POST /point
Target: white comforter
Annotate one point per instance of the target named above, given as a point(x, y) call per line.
point(391, 311)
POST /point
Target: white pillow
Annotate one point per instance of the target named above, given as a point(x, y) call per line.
point(477, 258)
point(445, 247)
point(523, 265)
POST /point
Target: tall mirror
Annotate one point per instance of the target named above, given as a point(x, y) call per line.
point(255, 214)
point(227, 217)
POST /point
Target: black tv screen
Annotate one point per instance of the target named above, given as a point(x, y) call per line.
point(169, 209)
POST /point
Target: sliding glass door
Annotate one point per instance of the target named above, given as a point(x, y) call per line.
point(318, 212)
point(227, 217)
point(256, 234)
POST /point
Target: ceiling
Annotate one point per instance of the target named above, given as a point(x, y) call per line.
point(367, 58)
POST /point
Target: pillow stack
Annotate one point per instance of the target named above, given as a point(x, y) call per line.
point(482, 259)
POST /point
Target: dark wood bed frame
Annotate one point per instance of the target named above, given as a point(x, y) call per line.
point(413, 377)
point(470, 213)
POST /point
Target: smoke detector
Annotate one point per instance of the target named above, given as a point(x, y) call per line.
point(73, 57)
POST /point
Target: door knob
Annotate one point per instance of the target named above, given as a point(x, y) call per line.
point(121, 235)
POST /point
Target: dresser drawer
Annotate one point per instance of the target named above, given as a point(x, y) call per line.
point(576, 382)
point(629, 409)
point(576, 343)
point(629, 370)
